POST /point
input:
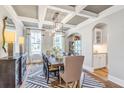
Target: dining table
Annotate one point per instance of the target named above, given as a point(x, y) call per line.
point(55, 62)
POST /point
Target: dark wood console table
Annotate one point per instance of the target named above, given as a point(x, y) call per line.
point(12, 71)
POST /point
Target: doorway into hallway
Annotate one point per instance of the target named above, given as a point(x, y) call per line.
point(100, 52)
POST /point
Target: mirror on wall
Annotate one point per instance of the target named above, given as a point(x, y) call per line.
point(8, 31)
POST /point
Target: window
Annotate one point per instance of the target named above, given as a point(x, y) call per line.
point(77, 46)
point(58, 41)
point(35, 42)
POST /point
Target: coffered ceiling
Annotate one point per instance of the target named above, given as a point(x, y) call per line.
point(46, 26)
point(41, 16)
point(96, 8)
point(26, 10)
point(30, 24)
point(50, 13)
point(76, 20)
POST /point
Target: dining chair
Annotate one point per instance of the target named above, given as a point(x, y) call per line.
point(44, 66)
point(72, 70)
point(50, 69)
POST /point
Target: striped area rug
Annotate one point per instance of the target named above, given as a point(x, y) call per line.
point(36, 79)
point(90, 82)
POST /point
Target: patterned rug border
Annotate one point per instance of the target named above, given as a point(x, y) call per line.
point(36, 79)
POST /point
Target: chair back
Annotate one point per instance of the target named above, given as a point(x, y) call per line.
point(45, 67)
point(23, 64)
point(24, 58)
point(46, 62)
point(73, 68)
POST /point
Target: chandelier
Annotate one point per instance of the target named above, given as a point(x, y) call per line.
point(57, 24)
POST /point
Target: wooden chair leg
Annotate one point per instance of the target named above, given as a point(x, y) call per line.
point(58, 77)
point(78, 84)
point(60, 80)
point(66, 85)
point(47, 77)
point(75, 83)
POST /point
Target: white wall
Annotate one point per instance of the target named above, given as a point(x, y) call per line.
point(47, 42)
point(115, 29)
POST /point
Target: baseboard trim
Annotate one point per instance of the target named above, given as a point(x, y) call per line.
point(90, 69)
point(116, 80)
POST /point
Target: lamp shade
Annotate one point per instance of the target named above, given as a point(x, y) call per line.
point(10, 36)
point(21, 40)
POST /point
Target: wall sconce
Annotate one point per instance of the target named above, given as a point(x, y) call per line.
point(10, 39)
point(21, 40)
point(21, 43)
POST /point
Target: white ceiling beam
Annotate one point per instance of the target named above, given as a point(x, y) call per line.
point(48, 22)
point(59, 9)
point(84, 12)
point(33, 20)
point(52, 23)
point(27, 19)
point(42, 9)
point(78, 8)
point(29, 27)
point(67, 7)
point(68, 17)
point(71, 14)
point(74, 12)
point(70, 26)
point(13, 14)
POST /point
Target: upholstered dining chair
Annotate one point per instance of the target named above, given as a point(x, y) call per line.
point(72, 70)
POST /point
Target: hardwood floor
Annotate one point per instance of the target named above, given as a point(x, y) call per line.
point(104, 73)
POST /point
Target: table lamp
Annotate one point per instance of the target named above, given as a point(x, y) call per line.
point(21, 43)
point(10, 39)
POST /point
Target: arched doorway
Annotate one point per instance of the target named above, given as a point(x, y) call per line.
point(73, 44)
point(100, 61)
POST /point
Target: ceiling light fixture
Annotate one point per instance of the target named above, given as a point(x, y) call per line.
point(57, 25)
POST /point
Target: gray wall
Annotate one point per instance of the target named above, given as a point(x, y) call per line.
point(116, 45)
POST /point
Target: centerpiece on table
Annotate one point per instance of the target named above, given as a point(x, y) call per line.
point(57, 53)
